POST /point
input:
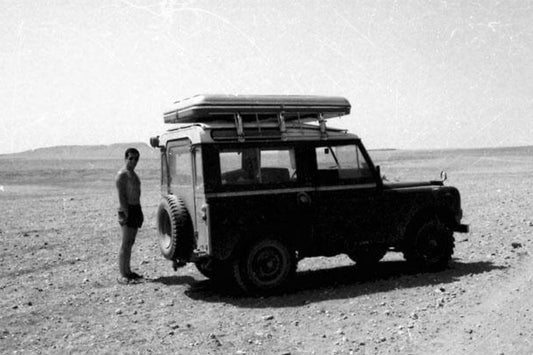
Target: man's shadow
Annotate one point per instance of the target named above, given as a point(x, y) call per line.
point(340, 282)
point(175, 280)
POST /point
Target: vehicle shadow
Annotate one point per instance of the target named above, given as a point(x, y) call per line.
point(340, 283)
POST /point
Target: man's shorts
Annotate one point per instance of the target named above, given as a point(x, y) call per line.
point(135, 217)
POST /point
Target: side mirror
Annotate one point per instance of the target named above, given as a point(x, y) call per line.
point(443, 176)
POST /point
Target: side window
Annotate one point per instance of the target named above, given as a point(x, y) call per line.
point(164, 171)
point(277, 165)
point(342, 163)
point(239, 166)
point(257, 166)
point(199, 173)
point(179, 167)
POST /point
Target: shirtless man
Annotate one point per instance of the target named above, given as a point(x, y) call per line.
point(130, 216)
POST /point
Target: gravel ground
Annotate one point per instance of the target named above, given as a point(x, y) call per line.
point(59, 242)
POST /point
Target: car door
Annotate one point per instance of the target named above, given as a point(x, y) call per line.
point(347, 198)
point(180, 173)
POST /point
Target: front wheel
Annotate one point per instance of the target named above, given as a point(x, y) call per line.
point(431, 247)
point(265, 266)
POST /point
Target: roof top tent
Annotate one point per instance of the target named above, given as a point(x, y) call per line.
point(257, 109)
point(208, 108)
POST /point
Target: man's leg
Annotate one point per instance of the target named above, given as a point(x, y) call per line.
point(124, 255)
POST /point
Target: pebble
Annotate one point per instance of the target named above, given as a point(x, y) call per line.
point(269, 317)
point(118, 311)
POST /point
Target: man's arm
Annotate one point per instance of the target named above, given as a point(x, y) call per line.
point(122, 188)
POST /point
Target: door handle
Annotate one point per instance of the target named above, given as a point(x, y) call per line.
point(303, 199)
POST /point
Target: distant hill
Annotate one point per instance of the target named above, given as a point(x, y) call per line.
point(113, 151)
point(116, 151)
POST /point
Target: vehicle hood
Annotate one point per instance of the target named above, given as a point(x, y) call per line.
point(411, 184)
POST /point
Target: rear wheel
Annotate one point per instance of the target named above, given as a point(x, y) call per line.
point(431, 246)
point(216, 270)
point(265, 266)
point(205, 266)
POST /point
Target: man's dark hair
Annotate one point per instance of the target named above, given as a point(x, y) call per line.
point(131, 151)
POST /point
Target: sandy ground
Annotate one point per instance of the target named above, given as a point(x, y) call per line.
point(58, 269)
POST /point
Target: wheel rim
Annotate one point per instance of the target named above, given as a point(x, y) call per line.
point(267, 265)
point(165, 230)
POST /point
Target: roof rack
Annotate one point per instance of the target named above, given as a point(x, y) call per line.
point(257, 109)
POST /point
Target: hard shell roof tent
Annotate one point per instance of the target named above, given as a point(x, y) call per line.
point(257, 117)
point(209, 108)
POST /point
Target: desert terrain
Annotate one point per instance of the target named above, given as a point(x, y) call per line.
point(58, 269)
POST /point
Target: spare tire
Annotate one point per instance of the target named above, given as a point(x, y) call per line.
point(175, 229)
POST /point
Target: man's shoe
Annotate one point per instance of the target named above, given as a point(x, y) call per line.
point(135, 276)
point(123, 280)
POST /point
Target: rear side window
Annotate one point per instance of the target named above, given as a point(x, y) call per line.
point(249, 166)
point(179, 167)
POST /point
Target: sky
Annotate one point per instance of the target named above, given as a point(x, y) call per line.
point(418, 74)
